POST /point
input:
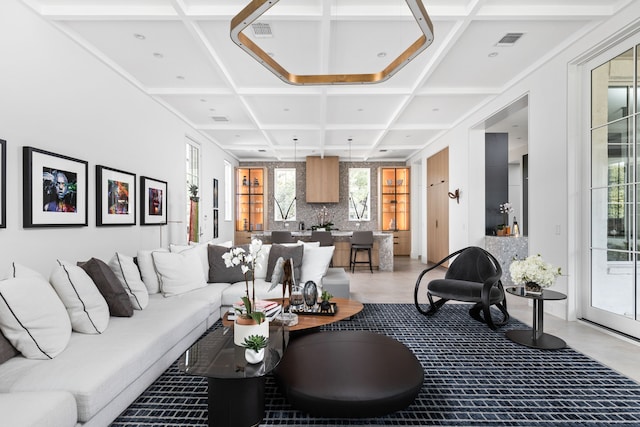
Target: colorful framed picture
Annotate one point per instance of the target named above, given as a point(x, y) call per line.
point(153, 201)
point(115, 197)
point(55, 190)
point(215, 193)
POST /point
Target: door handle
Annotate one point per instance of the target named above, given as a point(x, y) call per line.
point(436, 223)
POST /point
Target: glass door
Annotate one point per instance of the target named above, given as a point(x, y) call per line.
point(612, 299)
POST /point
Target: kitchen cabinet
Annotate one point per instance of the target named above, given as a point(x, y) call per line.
point(395, 207)
point(250, 202)
point(323, 179)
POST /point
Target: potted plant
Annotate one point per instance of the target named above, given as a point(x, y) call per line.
point(248, 320)
point(325, 305)
point(254, 348)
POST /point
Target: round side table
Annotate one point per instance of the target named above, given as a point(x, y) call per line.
point(535, 337)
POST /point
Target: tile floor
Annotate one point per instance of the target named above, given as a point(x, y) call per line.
point(619, 353)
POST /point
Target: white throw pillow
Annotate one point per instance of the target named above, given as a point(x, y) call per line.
point(315, 263)
point(262, 261)
point(201, 249)
point(33, 318)
point(16, 270)
point(148, 270)
point(178, 273)
point(127, 272)
point(86, 307)
point(308, 244)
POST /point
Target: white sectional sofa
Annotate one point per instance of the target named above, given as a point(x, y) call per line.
point(97, 376)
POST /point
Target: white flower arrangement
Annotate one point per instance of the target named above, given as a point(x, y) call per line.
point(506, 209)
point(533, 269)
point(248, 261)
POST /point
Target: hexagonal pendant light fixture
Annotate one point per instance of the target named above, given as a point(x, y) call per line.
point(258, 7)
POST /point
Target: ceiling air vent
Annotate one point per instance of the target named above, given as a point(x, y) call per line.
point(509, 39)
point(261, 30)
point(220, 118)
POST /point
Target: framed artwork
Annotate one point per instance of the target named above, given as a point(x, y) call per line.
point(3, 183)
point(215, 223)
point(153, 201)
point(115, 197)
point(55, 190)
point(215, 193)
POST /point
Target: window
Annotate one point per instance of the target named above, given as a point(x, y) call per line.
point(284, 193)
point(359, 194)
point(228, 191)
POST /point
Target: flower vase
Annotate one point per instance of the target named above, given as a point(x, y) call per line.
point(253, 356)
point(243, 328)
point(533, 288)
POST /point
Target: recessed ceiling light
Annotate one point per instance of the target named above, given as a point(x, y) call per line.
point(139, 36)
point(212, 109)
point(360, 109)
point(435, 109)
point(180, 77)
point(383, 150)
point(515, 126)
point(237, 136)
point(262, 150)
point(203, 100)
point(158, 55)
point(285, 109)
point(382, 54)
point(493, 54)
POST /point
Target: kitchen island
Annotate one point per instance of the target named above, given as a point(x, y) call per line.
point(381, 255)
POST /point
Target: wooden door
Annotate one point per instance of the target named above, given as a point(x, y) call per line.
point(438, 206)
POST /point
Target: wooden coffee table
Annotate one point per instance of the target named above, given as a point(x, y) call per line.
point(346, 308)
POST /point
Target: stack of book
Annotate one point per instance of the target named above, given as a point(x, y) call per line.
point(269, 308)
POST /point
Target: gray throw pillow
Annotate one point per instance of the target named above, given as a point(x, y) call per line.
point(218, 272)
point(7, 351)
point(109, 286)
point(285, 252)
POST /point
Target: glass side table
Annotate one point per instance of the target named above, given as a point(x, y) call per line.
point(536, 337)
point(236, 388)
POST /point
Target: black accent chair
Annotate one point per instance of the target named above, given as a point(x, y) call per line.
point(282, 237)
point(474, 276)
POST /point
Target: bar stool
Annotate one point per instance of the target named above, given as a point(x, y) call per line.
point(282, 237)
point(361, 241)
point(325, 238)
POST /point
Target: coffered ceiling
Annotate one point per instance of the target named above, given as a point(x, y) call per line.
point(180, 53)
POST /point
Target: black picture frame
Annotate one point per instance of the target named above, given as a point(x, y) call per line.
point(215, 193)
point(3, 183)
point(115, 197)
point(45, 202)
point(215, 223)
point(153, 201)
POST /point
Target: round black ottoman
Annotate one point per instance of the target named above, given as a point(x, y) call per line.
point(349, 374)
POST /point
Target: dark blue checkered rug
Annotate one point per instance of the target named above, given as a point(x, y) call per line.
point(473, 377)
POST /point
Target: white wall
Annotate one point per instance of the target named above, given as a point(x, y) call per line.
point(549, 165)
point(57, 97)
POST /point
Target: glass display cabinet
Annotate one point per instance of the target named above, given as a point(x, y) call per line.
point(250, 202)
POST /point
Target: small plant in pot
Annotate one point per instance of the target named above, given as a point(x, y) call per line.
point(254, 348)
point(325, 305)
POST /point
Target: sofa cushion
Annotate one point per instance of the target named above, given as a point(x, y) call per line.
point(39, 409)
point(33, 318)
point(178, 273)
point(97, 370)
point(109, 286)
point(127, 272)
point(148, 270)
point(315, 263)
point(218, 271)
point(233, 293)
point(277, 250)
point(86, 307)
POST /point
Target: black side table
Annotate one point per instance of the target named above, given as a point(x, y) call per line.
point(236, 388)
point(536, 338)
